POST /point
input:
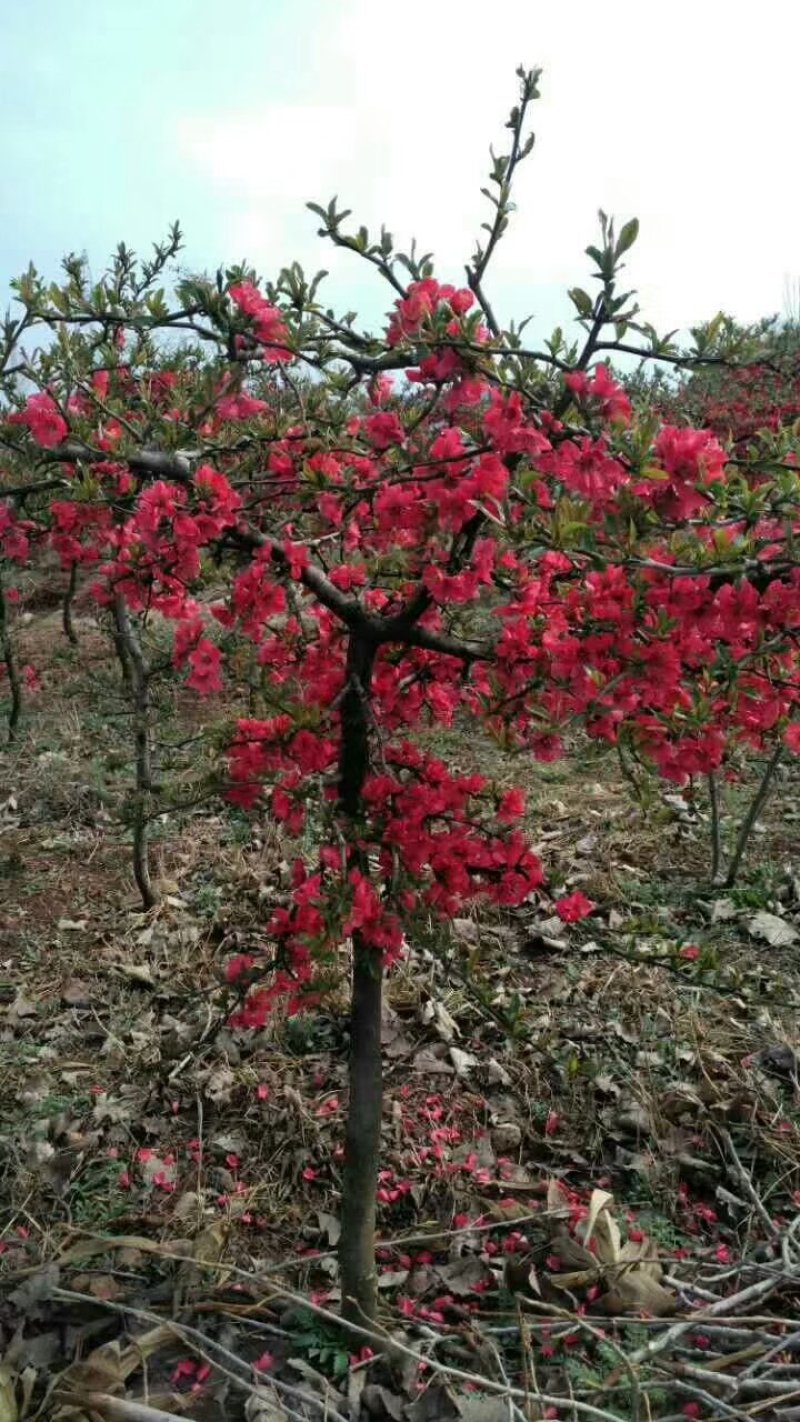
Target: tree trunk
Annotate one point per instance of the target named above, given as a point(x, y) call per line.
point(357, 1269)
point(12, 670)
point(136, 674)
point(358, 1275)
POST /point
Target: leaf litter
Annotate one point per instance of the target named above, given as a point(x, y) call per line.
point(590, 1178)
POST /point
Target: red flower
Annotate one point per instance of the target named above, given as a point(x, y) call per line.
point(512, 806)
point(183, 1370)
point(384, 430)
point(241, 963)
point(574, 907)
point(44, 420)
point(205, 662)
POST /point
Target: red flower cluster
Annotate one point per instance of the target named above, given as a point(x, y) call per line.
point(490, 561)
point(269, 327)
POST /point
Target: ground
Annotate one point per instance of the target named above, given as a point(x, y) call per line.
point(162, 1174)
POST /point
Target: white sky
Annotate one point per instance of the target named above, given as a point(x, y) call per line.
point(684, 114)
point(120, 115)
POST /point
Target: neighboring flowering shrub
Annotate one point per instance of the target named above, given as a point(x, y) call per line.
point(740, 403)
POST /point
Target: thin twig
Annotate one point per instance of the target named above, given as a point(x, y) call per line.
point(729, 1305)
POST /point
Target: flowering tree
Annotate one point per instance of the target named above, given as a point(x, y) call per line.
point(494, 539)
point(741, 404)
point(743, 385)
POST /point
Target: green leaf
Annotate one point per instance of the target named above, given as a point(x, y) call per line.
point(581, 300)
point(627, 237)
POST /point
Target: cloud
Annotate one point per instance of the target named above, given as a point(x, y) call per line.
point(683, 115)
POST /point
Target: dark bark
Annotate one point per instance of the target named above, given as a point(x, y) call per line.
point(358, 1274)
point(357, 1268)
point(12, 670)
point(355, 713)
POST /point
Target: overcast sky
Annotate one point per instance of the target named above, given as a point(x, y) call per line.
point(120, 115)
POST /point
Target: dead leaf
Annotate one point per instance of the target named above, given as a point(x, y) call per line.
point(211, 1241)
point(436, 1014)
point(36, 1350)
point(557, 1197)
point(77, 993)
point(110, 1108)
point(462, 1061)
point(460, 1277)
point(380, 1402)
point(137, 973)
point(498, 1076)
point(605, 1083)
point(678, 803)
point(330, 1227)
point(21, 1007)
point(8, 1399)
point(420, 1280)
point(426, 1063)
point(608, 1240)
point(392, 1278)
point(435, 1404)
point(723, 909)
point(107, 1368)
point(507, 1135)
point(101, 1286)
point(582, 1266)
point(219, 1084)
point(34, 1291)
point(630, 1273)
point(771, 929)
point(635, 1291)
point(263, 1405)
point(631, 1117)
point(477, 1407)
point(600, 1200)
point(553, 927)
point(317, 1380)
